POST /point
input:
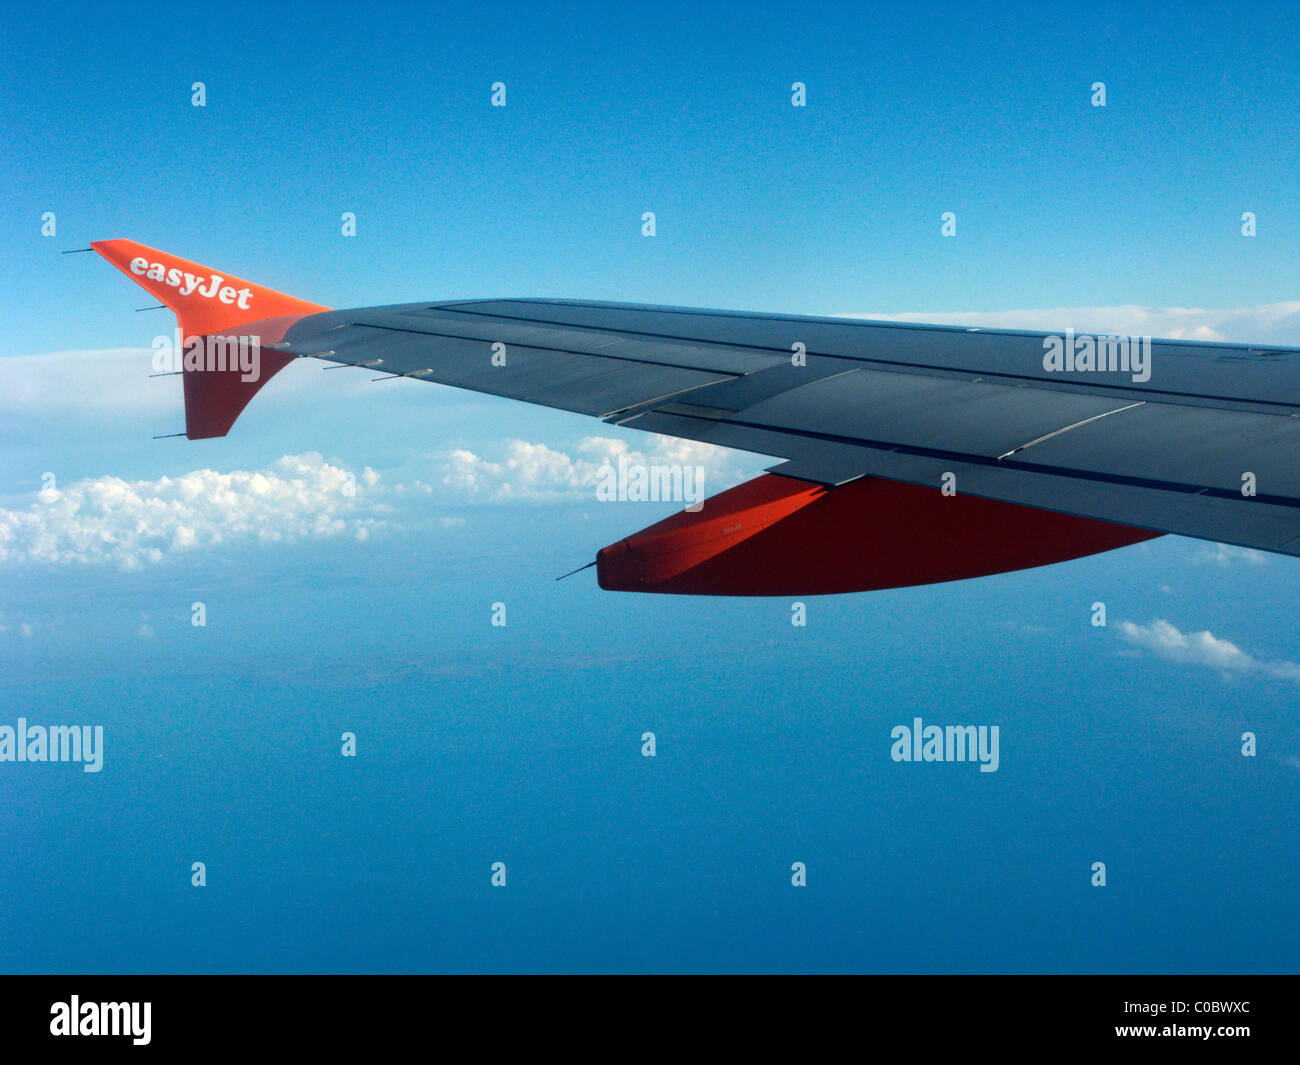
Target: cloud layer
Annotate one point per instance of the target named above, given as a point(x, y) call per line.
point(537, 473)
point(1166, 641)
point(131, 523)
point(1269, 323)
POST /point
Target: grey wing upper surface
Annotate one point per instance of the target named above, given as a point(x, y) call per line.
point(906, 402)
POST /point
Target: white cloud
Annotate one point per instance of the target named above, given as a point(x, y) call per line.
point(1226, 555)
point(1269, 323)
point(537, 473)
point(25, 629)
point(1203, 648)
point(131, 523)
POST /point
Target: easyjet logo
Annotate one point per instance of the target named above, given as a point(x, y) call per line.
point(207, 286)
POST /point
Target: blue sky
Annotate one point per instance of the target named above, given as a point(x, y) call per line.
point(366, 608)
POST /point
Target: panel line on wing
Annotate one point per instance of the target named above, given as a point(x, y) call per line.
point(657, 399)
point(1067, 428)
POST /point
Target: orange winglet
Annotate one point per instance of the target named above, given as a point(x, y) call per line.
point(210, 305)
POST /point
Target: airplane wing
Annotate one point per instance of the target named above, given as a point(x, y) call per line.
point(1199, 439)
point(881, 399)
